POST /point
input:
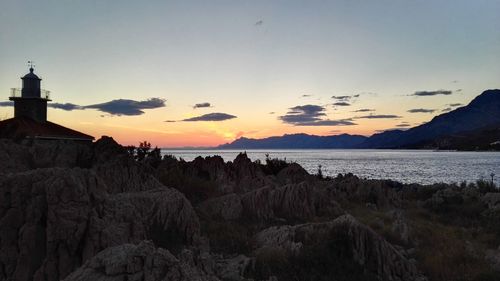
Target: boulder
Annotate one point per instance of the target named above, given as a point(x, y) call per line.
point(53, 219)
point(137, 262)
point(361, 244)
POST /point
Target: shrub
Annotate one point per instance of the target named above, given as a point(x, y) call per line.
point(274, 165)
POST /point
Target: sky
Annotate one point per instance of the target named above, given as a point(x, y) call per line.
point(203, 73)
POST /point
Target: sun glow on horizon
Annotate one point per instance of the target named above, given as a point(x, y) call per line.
point(191, 74)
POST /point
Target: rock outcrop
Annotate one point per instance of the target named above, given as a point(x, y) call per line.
point(294, 202)
point(380, 193)
point(366, 248)
point(94, 212)
point(137, 262)
point(53, 219)
point(492, 200)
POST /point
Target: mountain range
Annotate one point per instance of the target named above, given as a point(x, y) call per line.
point(481, 116)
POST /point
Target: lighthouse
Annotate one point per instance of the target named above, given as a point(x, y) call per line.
point(31, 103)
point(30, 116)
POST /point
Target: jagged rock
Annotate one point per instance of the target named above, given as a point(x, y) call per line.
point(492, 200)
point(233, 269)
point(294, 173)
point(400, 225)
point(248, 174)
point(60, 153)
point(43, 154)
point(107, 148)
point(15, 157)
point(120, 171)
point(44, 216)
point(368, 249)
point(227, 207)
point(162, 215)
point(52, 220)
point(293, 201)
point(123, 174)
point(381, 193)
point(239, 176)
point(137, 262)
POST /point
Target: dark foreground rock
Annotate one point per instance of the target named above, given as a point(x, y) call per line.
point(137, 262)
point(344, 239)
point(95, 212)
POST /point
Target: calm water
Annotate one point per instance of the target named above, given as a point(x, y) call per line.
point(408, 166)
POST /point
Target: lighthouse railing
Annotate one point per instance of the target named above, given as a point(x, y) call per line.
point(17, 93)
point(45, 94)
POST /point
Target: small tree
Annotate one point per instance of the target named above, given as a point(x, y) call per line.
point(143, 150)
point(320, 172)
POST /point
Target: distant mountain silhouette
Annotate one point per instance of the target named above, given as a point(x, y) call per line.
point(486, 138)
point(482, 111)
point(297, 141)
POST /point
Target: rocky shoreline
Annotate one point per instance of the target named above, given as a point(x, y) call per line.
point(71, 211)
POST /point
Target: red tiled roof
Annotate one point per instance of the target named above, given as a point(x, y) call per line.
point(22, 127)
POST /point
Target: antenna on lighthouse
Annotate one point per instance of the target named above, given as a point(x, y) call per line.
point(31, 64)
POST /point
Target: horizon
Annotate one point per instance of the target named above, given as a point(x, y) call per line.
point(201, 75)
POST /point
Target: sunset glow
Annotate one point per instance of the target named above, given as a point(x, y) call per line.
point(254, 62)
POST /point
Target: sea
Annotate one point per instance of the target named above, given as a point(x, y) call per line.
point(407, 166)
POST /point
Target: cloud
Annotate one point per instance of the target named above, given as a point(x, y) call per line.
point(259, 23)
point(211, 117)
point(303, 113)
point(127, 107)
point(342, 103)
point(115, 107)
point(421, 110)
point(379, 116)
point(446, 109)
point(455, 104)
point(202, 105)
point(272, 112)
point(170, 121)
point(341, 122)
point(432, 93)
point(305, 95)
point(311, 115)
point(402, 125)
point(364, 110)
point(341, 97)
point(6, 103)
point(64, 106)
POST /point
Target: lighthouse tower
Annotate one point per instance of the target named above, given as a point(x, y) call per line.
point(31, 103)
